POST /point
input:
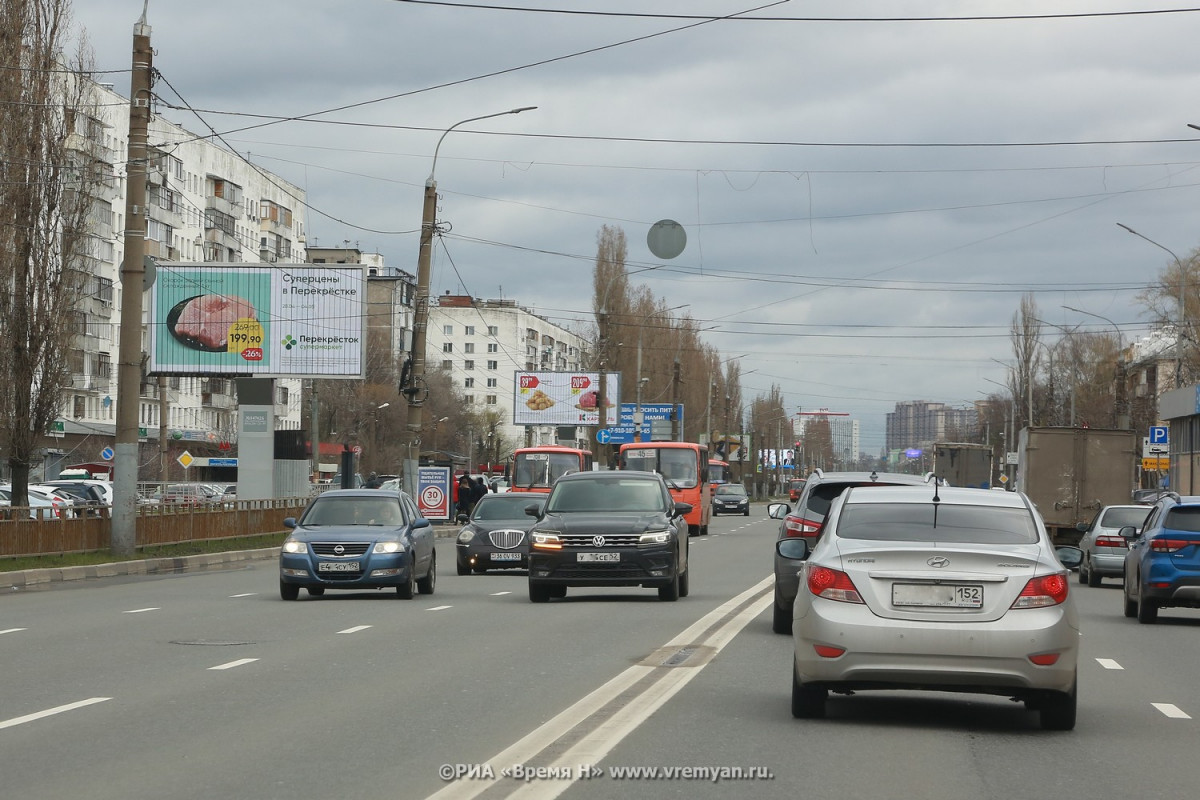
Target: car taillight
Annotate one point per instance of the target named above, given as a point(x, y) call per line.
point(795, 526)
point(1047, 590)
point(1168, 545)
point(1110, 541)
point(832, 584)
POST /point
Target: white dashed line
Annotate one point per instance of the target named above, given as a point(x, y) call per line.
point(52, 711)
point(1108, 663)
point(494, 594)
point(439, 608)
point(12, 630)
point(1170, 710)
point(247, 594)
point(233, 664)
point(355, 629)
point(140, 610)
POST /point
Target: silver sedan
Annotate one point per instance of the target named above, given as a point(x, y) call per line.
point(1103, 546)
point(935, 589)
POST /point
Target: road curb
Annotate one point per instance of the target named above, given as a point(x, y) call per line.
point(22, 579)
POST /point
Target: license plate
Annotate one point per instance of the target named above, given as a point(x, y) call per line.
point(594, 557)
point(506, 556)
point(337, 566)
point(937, 595)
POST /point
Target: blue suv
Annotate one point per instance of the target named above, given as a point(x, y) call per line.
point(1162, 567)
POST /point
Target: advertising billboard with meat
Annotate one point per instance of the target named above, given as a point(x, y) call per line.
point(564, 398)
point(285, 320)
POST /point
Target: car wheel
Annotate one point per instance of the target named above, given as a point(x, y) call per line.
point(1083, 573)
point(781, 618)
point(539, 593)
point(558, 591)
point(427, 584)
point(289, 591)
point(670, 592)
point(1093, 577)
point(463, 569)
point(807, 702)
point(685, 583)
point(1147, 609)
point(747, 513)
point(406, 590)
point(1057, 711)
point(1131, 606)
point(316, 591)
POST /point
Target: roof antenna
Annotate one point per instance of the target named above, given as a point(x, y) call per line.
point(936, 499)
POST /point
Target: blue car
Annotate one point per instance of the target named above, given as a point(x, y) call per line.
point(1162, 567)
point(358, 539)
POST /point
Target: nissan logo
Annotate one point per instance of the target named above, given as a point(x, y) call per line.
point(597, 541)
point(338, 549)
point(937, 562)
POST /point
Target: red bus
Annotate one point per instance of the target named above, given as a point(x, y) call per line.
point(718, 472)
point(535, 469)
point(684, 465)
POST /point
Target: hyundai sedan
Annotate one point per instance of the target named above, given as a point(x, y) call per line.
point(936, 589)
point(358, 539)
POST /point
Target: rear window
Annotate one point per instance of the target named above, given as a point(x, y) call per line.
point(937, 522)
point(1120, 517)
point(1183, 518)
point(823, 495)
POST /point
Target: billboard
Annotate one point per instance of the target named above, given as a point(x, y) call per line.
point(564, 398)
point(285, 320)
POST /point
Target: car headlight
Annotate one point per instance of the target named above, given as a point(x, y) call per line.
point(546, 540)
point(654, 537)
point(387, 547)
point(294, 546)
point(466, 535)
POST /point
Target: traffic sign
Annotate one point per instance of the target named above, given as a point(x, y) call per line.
point(1156, 464)
point(107, 454)
point(185, 459)
point(604, 436)
point(1159, 434)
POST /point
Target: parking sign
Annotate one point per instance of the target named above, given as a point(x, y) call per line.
point(1158, 434)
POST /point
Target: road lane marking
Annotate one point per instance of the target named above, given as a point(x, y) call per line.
point(355, 629)
point(246, 594)
point(439, 608)
point(1170, 710)
point(1108, 663)
point(233, 664)
point(500, 594)
point(619, 705)
point(140, 610)
point(13, 630)
point(52, 711)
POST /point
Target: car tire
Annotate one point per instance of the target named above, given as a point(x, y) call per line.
point(1131, 606)
point(289, 591)
point(462, 568)
point(1147, 609)
point(807, 702)
point(1083, 573)
point(1056, 712)
point(427, 584)
point(747, 513)
point(406, 590)
point(558, 592)
point(316, 591)
point(781, 618)
point(685, 583)
point(670, 592)
point(1093, 577)
point(539, 593)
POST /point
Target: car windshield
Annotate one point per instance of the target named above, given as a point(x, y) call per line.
point(1183, 518)
point(618, 495)
point(731, 490)
point(496, 506)
point(937, 522)
point(353, 511)
point(543, 469)
point(1120, 517)
point(679, 465)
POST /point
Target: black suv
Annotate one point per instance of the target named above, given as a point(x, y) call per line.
point(806, 521)
point(613, 528)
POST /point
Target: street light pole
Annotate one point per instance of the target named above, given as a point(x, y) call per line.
point(1182, 302)
point(421, 299)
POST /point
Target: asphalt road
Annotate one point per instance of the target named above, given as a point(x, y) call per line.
point(207, 685)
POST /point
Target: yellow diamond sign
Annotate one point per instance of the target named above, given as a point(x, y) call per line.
point(185, 458)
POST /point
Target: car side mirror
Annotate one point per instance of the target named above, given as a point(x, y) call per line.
point(289, 522)
point(1128, 532)
point(461, 518)
point(1069, 557)
point(533, 510)
point(778, 510)
point(681, 509)
point(1082, 527)
point(792, 549)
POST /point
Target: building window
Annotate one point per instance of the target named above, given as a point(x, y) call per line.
point(469, 383)
point(469, 347)
point(447, 365)
point(448, 330)
point(493, 365)
point(470, 330)
point(491, 400)
point(493, 330)
point(448, 347)
point(103, 366)
point(493, 347)
point(491, 383)
point(469, 399)
point(468, 365)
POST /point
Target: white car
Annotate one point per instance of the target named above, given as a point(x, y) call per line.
point(935, 589)
point(42, 504)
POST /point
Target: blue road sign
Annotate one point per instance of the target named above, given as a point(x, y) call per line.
point(1158, 434)
point(107, 454)
point(604, 436)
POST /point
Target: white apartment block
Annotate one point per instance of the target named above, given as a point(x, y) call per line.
point(484, 343)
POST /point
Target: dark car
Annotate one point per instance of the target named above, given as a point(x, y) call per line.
point(89, 499)
point(1162, 567)
point(358, 539)
point(806, 521)
point(618, 528)
point(495, 535)
point(730, 498)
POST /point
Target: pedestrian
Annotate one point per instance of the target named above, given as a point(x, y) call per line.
point(466, 501)
point(373, 482)
point(478, 491)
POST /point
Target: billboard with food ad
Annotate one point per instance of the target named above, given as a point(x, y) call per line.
point(285, 320)
point(564, 398)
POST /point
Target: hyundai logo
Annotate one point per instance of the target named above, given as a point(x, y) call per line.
point(937, 562)
point(597, 541)
point(338, 549)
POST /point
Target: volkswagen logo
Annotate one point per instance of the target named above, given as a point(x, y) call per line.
point(937, 562)
point(338, 549)
point(597, 541)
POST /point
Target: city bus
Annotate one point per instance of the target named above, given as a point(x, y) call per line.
point(718, 472)
point(535, 469)
point(684, 465)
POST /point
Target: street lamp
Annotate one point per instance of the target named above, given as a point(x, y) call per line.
point(421, 300)
point(1120, 414)
point(1182, 303)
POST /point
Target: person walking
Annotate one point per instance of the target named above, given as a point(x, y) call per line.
point(466, 495)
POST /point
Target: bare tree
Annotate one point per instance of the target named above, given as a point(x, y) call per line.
point(1173, 301)
point(1024, 335)
point(51, 170)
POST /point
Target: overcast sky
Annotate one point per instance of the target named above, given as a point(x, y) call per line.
point(866, 192)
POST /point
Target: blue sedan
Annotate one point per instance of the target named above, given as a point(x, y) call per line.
point(358, 539)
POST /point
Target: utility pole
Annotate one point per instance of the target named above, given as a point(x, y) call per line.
point(602, 395)
point(164, 465)
point(129, 367)
point(676, 428)
point(315, 433)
